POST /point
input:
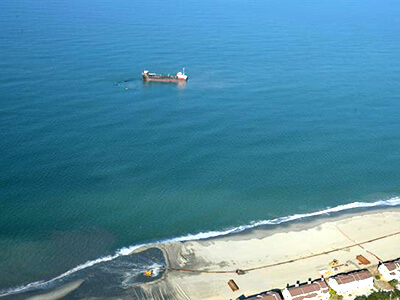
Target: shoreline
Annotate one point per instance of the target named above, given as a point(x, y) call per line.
point(294, 222)
point(200, 269)
point(255, 230)
point(263, 231)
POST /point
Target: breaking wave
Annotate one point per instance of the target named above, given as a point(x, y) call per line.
point(202, 235)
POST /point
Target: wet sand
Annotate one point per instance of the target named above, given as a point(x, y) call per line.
point(274, 257)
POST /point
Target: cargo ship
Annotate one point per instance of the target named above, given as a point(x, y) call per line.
point(179, 77)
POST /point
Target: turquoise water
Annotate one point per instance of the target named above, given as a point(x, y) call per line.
point(291, 107)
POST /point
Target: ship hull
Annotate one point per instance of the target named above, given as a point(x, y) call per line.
point(163, 79)
point(147, 76)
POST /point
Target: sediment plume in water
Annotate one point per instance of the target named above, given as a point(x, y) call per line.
point(203, 235)
point(59, 292)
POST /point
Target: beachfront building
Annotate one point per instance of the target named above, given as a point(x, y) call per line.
point(312, 290)
point(353, 283)
point(390, 270)
point(270, 295)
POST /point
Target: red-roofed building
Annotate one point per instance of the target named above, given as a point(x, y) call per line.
point(351, 283)
point(316, 290)
point(270, 295)
point(390, 270)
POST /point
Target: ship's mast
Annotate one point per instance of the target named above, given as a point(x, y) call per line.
point(183, 71)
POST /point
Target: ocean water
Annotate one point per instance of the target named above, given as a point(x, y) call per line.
point(291, 108)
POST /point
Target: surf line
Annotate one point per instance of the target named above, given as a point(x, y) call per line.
point(395, 201)
point(291, 260)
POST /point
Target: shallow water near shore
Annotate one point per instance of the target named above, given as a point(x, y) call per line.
point(117, 275)
point(290, 108)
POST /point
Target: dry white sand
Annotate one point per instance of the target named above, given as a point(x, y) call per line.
point(277, 259)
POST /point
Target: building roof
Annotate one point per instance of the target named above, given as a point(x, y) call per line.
point(308, 290)
point(307, 296)
point(392, 265)
point(353, 276)
point(264, 296)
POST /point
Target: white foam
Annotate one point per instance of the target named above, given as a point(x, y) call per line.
point(42, 284)
point(203, 235)
point(156, 269)
point(129, 277)
point(354, 205)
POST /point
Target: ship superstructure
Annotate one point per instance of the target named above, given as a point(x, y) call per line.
point(180, 76)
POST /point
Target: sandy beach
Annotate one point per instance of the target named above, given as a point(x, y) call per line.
point(274, 258)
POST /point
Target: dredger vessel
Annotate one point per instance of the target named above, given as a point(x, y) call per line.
point(180, 76)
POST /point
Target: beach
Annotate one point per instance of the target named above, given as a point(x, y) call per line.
point(289, 118)
point(201, 269)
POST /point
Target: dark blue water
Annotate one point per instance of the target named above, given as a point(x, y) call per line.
point(291, 107)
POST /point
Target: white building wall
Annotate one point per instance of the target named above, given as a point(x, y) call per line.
point(286, 295)
point(351, 287)
point(386, 273)
point(323, 296)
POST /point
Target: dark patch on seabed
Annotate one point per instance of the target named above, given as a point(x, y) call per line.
point(130, 84)
point(106, 280)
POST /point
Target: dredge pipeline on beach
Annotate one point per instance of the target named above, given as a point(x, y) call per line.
point(284, 262)
point(201, 236)
point(272, 258)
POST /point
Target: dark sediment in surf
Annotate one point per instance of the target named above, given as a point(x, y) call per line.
point(122, 274)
